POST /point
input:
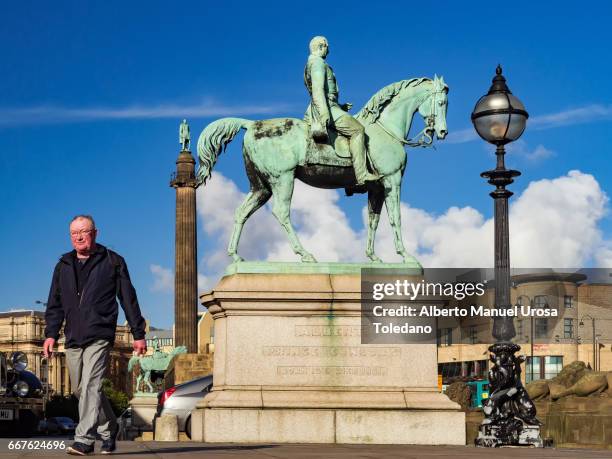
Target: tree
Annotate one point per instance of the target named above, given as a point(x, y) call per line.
point(119, 400)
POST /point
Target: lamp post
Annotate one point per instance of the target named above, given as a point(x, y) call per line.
point(500, 118)
point(532, 306)
point(581, 324)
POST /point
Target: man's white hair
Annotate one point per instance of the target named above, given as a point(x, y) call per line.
point(84, 217)
point(315, 42)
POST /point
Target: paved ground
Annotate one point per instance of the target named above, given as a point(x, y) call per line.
point(157, 450)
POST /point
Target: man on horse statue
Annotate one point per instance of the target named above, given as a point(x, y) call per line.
point(324, 110)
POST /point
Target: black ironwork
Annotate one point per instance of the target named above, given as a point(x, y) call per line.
point(510, 415)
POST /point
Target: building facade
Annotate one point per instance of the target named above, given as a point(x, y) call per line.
point(582, 329)
point(24, 331)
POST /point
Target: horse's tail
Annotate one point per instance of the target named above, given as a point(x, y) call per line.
point(132, 362)
point(213, 139)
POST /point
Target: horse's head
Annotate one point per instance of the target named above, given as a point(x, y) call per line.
point(433, 108)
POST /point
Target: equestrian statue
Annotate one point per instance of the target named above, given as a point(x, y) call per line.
point(153, 366)
point(329, 148)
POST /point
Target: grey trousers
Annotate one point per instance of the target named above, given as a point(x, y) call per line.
point(87, 366)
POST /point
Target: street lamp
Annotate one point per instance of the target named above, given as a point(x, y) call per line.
point(531, 339)
point(500, 118)
point(581, 324)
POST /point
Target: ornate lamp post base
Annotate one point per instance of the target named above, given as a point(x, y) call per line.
point(509, 412)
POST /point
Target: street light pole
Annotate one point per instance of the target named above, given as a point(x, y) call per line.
point(581, 323)
point(594, 346)
point(500, 118)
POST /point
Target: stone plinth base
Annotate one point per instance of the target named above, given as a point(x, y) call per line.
point(289, 367)
point(144, 408)
point(578, 422)
point(329, 426)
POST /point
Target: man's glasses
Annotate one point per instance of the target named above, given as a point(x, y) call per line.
point(81, 232)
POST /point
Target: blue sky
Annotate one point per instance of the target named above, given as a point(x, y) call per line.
point(91, 95)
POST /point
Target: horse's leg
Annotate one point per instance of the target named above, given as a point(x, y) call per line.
point(392, 185)
point(282, 190)
point(376, 198)
point(256, 198)
point(148, 381)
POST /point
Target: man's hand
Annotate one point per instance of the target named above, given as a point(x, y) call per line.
point(346, 107)
point(48, 347)
point(140, 347)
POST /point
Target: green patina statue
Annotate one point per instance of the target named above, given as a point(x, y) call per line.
point(184, 135)
point(324, 110)
point(154, 364)
point(327, 149)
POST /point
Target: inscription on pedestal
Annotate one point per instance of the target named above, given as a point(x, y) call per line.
point(331, 351)
point(330, 371)
point(328, 330)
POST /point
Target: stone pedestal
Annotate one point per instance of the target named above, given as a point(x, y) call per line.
point(289, 366)
point(144, 407)
point(166, 428)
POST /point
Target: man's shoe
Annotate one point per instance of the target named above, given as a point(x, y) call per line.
point(80, 449)
point(108, 446)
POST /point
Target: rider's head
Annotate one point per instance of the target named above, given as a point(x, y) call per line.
point(319, 46)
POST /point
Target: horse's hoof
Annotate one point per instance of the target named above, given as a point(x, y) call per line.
point(237, 258)
point(308, 258)
point(375, 259)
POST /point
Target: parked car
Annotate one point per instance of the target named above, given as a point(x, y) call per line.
point(181, 400)
point(59, 424)
point(22, 399)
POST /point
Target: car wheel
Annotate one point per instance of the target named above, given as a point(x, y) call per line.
point(188, 427)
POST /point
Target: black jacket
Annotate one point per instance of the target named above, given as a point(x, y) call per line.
point(92, 314)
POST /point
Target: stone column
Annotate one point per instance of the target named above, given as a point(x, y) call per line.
point(185, 272)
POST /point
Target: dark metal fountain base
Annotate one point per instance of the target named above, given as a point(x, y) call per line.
point(516, 434)
point(509, 412)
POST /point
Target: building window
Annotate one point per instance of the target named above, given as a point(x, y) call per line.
point(519, 329)
point(544, 367)
point(552, 366)
point(472, 334)
point(541, 328)
point(568, 328)
point(540, 302)
point(567, 301)
point(445, 336)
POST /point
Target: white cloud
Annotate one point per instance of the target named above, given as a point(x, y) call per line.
point(603, 258)
point(55, 114)
point(520, 148)
point(163, 279)
point(553, 223)
point(461, 136)
point(579, 115)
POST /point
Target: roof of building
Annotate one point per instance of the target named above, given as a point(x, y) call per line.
point(22, 313)
point(159, 333)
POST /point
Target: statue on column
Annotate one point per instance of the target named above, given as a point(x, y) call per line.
point(184, 135)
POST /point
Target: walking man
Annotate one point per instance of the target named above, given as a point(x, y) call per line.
point(83, 297)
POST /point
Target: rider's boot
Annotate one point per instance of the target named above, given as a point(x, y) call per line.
point(361, 171)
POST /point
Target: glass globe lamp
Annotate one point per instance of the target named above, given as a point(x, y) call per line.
point(499, 117)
